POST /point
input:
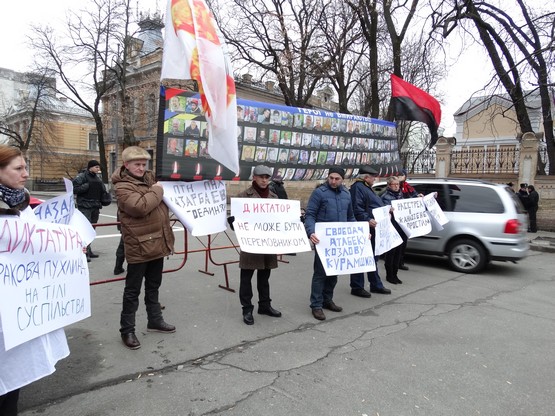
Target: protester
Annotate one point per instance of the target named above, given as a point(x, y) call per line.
point(364, 200)
point(511, 186)
point(34, 359)
point(89, 189)
point(262, 263)
point(393, 256)
point(523, 195)
point(329, 202)
point(408, 192)
point(148, 238)
point(534, 199)
point(278, 188)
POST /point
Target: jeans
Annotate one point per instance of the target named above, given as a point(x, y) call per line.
point(357, 279)
point(152, 273)
point(262, 284)
point(322, 285)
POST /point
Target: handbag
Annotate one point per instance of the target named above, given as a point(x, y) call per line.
point(106, 199)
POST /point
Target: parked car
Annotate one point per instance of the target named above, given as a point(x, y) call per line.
point(486, 222)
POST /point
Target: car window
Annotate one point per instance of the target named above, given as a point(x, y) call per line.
point(471, 198)
point(426, 188)
point(516, 201)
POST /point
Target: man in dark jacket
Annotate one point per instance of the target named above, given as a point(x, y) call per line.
point(262, 263)
point(147, 237)
point(364, 201)
point(329, 202)
point(89, 188)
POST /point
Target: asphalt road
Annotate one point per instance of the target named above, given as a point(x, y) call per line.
point(443, 343)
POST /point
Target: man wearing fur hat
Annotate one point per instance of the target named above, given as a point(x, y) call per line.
point(147, 237)
point(88, 188)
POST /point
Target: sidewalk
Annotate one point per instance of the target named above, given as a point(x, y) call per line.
point(542, 241)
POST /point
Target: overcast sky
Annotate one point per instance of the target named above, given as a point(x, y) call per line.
point(465, 77)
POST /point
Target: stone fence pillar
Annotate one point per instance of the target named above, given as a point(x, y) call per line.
point(444, 147)
point(528, 160)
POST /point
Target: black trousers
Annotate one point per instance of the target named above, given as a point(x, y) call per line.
point(532, 218)
point(8, 403)
point(152, 273)
point(262, 284)
point(120, 252)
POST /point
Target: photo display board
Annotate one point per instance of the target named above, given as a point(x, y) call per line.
point(298, 143)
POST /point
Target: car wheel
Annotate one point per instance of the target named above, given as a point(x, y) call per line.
point(467, 256)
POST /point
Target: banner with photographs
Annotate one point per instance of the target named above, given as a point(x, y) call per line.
point(298, 143)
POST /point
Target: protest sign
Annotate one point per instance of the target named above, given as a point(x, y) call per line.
point(57, 210)
point(434, 211)
point(411, 216)
point(200, 206)
point(44, 279)
point(271, 226)
point(387, 236)
point(344, 247)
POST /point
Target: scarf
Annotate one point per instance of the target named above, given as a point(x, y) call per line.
point(264, 193)
point(12, 197)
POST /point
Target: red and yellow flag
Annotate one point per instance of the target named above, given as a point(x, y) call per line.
point(192, 50)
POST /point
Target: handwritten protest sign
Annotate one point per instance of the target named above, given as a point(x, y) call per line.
point(59, 209)
point(435, 212)
point(44, 279)
point(344, 247)
point(201, 206)
point(411, 216)
point(387, 236)
point(270, 226)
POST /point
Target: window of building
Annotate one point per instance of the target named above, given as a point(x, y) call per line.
point(93, 141)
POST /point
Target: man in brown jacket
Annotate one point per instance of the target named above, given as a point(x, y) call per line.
point(263, 263)
point(147, 237)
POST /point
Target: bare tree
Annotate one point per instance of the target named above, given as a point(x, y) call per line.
point(84, 59)
point(33, 111)
point(518, 41)
point(280, 38)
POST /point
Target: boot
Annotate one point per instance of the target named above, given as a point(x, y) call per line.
point(90, 253)
point(118, 269)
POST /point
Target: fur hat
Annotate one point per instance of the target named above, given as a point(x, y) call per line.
point(135, 153)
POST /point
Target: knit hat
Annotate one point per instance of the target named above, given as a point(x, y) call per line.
point(92, 164)
point(337, 170)
point(135, 153)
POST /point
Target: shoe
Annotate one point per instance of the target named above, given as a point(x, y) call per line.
point(319, 314)
point(248, 318)
point(392, 281)
point(403, 267)
point(269, 311)
point(333, 307)
point(131, 341)
point(381, 290)
point(399, 281)
point(119, 270)
point(361, 293)
point(160, 327)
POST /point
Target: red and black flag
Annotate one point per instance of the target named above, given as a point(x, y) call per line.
point(411, 103)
